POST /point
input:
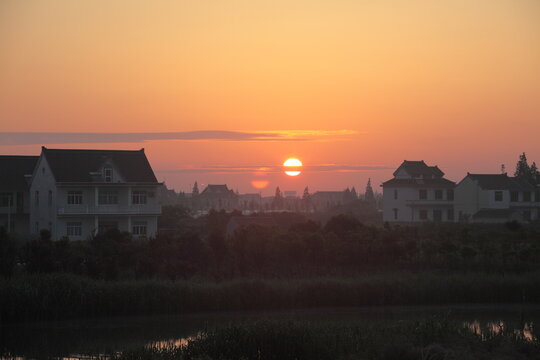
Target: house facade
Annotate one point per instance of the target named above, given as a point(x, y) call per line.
point(496, 198)
point(80, 193)
point(418, 193)
point(15, 173)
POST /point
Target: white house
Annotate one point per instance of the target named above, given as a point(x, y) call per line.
point(417, 193)
point(496, 198)
point(78, 193)
point(15, 192)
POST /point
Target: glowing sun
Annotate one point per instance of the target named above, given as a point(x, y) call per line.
point(293, 167)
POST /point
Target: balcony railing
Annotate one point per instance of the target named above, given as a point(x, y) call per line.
point(430, 202)
point(109, 209)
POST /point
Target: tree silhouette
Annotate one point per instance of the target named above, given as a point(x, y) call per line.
point(526, 172)
point(278, 201)
point(369, 195)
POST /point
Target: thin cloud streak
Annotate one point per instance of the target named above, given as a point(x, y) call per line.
point(273, 169)
point(44, 138)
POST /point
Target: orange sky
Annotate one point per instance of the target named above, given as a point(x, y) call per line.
point(453, 82)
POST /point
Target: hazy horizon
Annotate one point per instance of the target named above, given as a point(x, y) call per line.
point(217, 91)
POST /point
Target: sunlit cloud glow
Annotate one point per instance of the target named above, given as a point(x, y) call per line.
point(45, 138)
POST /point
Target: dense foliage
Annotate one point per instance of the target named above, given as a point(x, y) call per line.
point(61, 296)
point(295, 247)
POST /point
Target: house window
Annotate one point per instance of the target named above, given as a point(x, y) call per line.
point(423, 214)
point(395, 213)
point(514, 196)
point(139, 228)
point(6, 199)
point(438, 194)
point(498, 196)
point(108, 174)
point(526, 196)
point(49, 198)
point(74, 197)
point(108, 197)
point(527, 215)
point(437, 215)
point(450, 214)
point(139, 197)
point(74, 229)
point(395, 194)
point(537, 196)
point(422, 194)
point(37, 198)
point(450, 195)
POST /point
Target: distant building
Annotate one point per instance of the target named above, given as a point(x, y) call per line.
point(417, 193)
point(15, 173)
point(250, 202)
point(218, 197)
point(496, 198)
point(79, 193)
point(323, 200)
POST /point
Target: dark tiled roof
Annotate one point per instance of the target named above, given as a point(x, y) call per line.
point(493, 214)
point(76, 165)
point(13, 169)
point(420, 183)
point(419, 169)
point(500, 182)
point(217, 190)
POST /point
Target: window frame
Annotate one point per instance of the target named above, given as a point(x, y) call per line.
point(108, 174)
point(74, 228)
point(139, 228)
point(108, 197)
point(422, 194)
point(73, 196)
point(139, 197)
point(498, 196)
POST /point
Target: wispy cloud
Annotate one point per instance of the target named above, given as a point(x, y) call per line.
point(273, 169)
point(45, 138)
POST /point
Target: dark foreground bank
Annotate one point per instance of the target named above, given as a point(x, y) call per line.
point(62, 296)
point(433, 338)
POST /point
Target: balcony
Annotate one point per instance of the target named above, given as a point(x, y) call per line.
point(110, 210)
point(428, 203)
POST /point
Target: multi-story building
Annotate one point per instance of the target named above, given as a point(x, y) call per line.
point(218, 197)
point(15, 171)
point(417, 193)
point(79, 193)
point(496, 198)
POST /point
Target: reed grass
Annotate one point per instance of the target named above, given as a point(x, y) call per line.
point(62, 296)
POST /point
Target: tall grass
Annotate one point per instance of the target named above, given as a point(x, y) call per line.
point(61, 296)
point(433, 338)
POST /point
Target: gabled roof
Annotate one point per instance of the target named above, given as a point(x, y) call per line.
point(500, 182)
point(77, 165)
point(217, 190)
point(419, 169)
point(420, 183)
point(13, 169)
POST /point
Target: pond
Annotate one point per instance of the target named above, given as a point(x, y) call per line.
point(86, 339)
